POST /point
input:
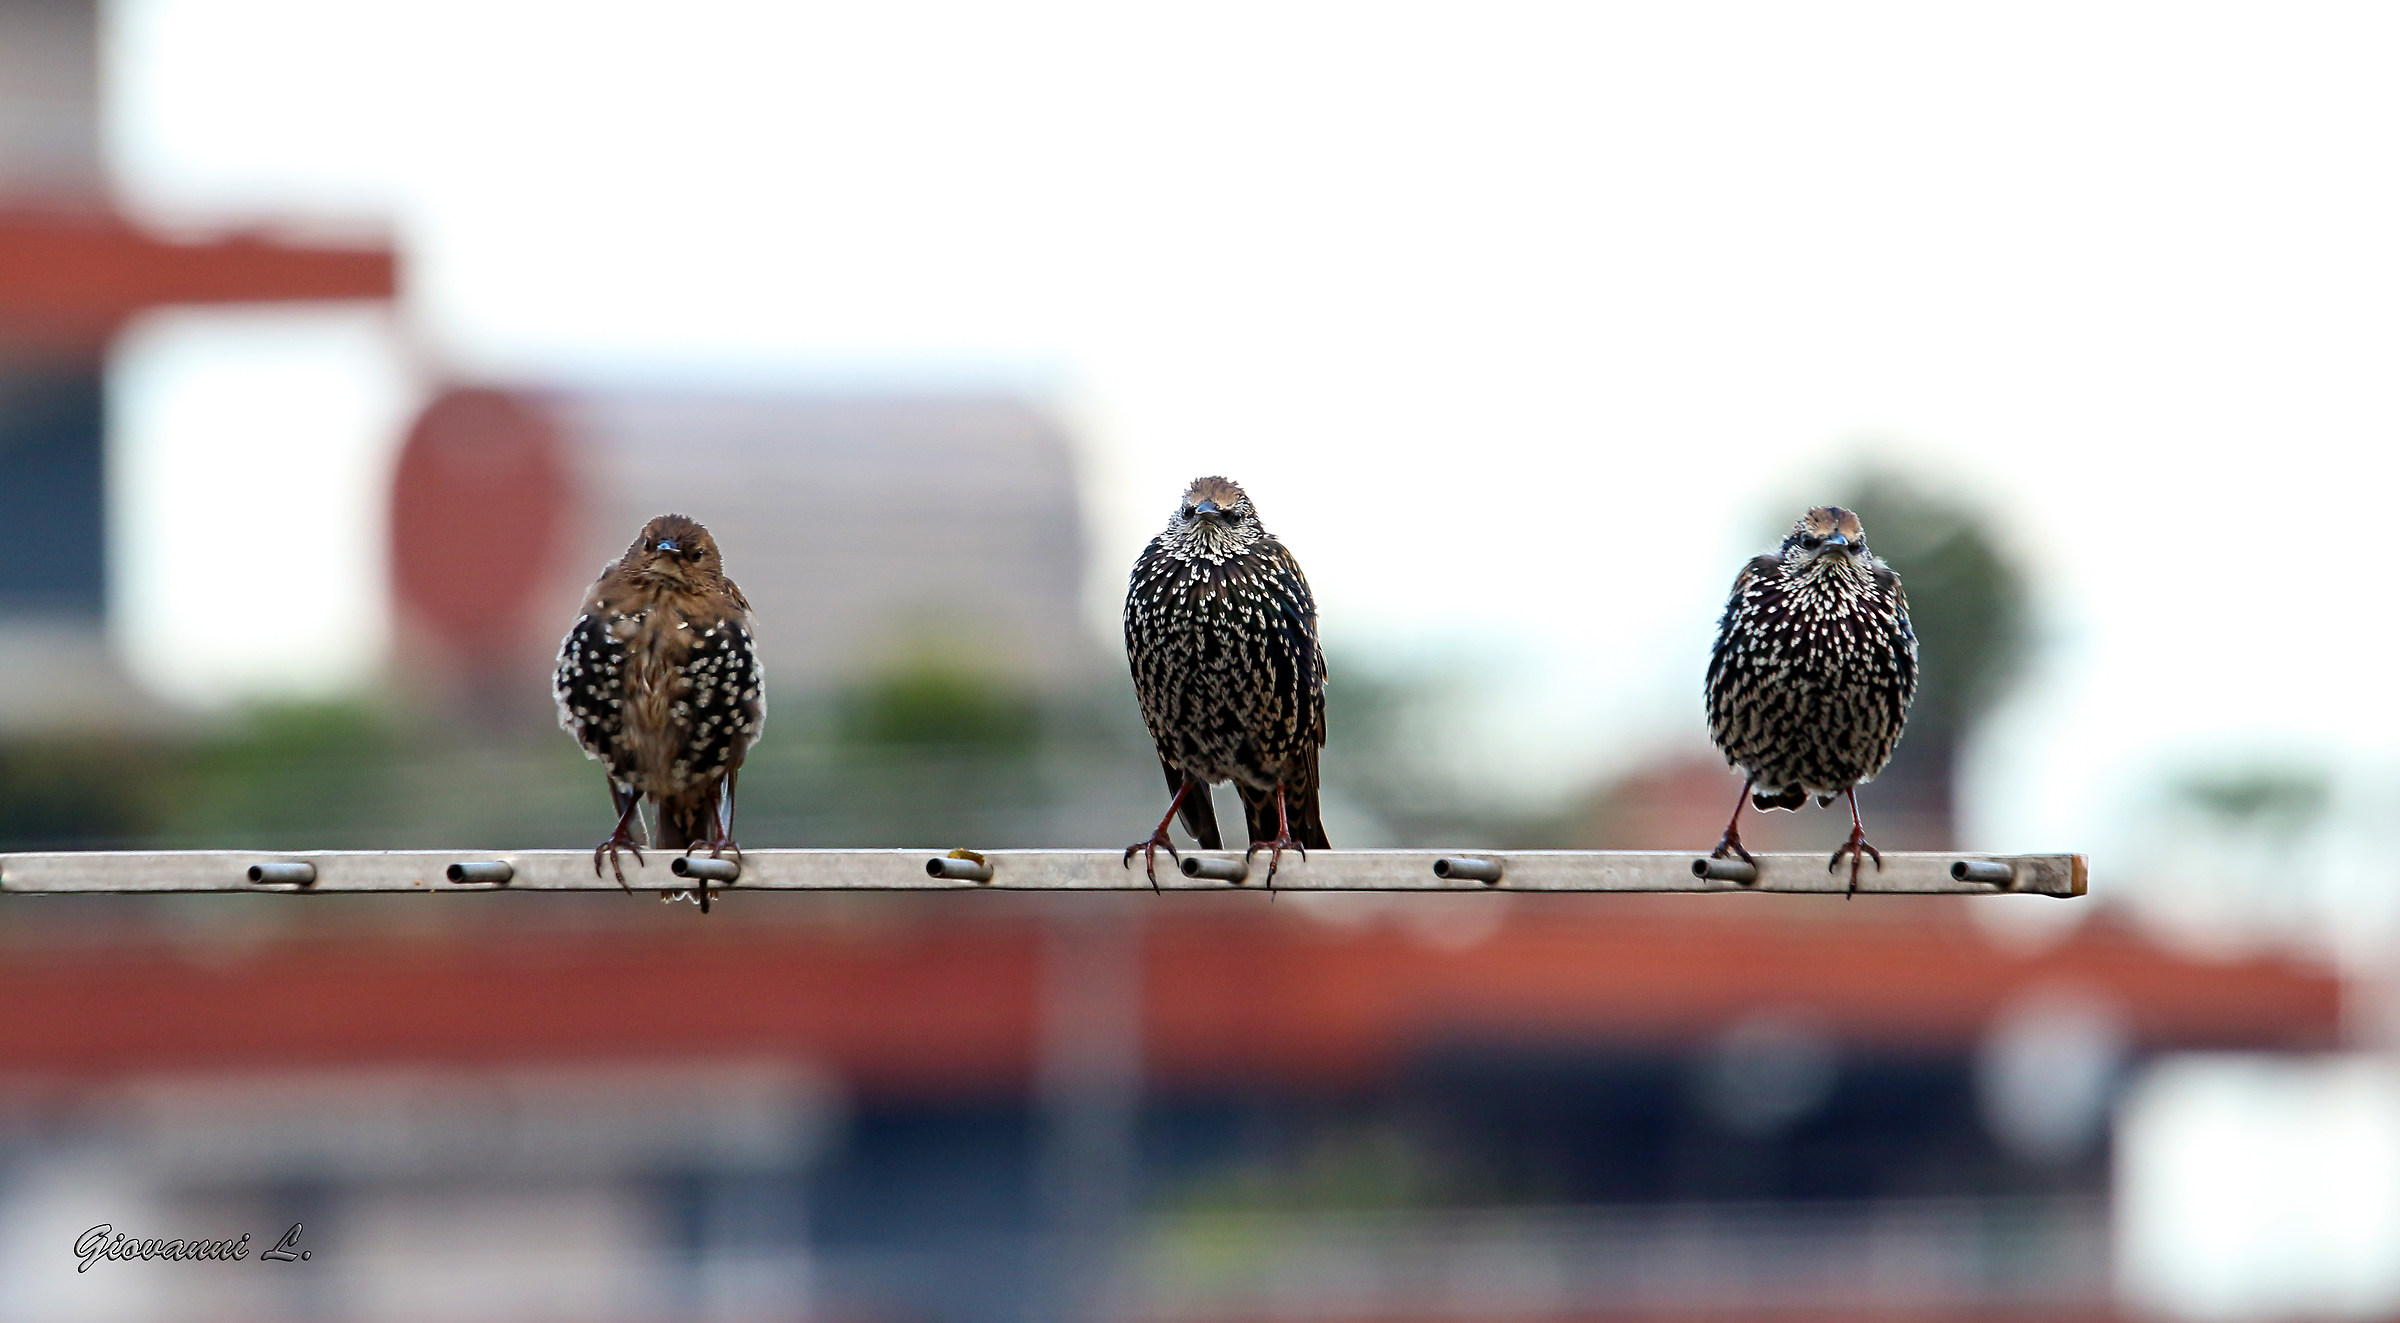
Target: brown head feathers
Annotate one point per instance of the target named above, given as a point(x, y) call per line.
point(676, 551)
point(1827, 527)
point(1224, 493)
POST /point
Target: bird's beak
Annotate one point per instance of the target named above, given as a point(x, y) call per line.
point(1836, 542)
point(1208, 510)
point(667, 545)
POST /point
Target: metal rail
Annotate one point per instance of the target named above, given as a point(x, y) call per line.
point(327, 872)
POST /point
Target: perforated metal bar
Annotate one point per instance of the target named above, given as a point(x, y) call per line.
point(391, 871)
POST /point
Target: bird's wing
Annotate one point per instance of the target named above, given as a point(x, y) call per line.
point(590, 688)
point(1889, 584)
point(1758, 574)
point(1295, 623)
point(728, 694)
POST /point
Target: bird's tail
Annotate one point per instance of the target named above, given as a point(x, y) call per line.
point(1199, 814)
point(1300, 806)
point(709, 817)
point(681, 824)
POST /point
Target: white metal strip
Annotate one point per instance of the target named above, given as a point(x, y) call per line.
point(328, 872)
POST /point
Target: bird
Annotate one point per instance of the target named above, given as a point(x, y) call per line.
point(659, 680)
point(1221, 634)
point(1811, 677)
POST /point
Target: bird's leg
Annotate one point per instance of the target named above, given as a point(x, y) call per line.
point(1158, 839)
point(621, 838)
point(1283, 840)
point(1731, 841)
point(1855, 846)
point(732, 780)
point(720, 832)
point(720, 822)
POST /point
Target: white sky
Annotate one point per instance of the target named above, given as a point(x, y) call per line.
point(1511, 317)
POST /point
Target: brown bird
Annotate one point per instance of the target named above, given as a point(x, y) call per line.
point(659, 681)
point(1221, 633)
point(1811, 677)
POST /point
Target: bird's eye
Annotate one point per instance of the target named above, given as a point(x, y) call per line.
point(1187, 512)
point(1812, 541)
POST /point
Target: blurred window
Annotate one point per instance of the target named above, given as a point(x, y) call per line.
point(50, 506)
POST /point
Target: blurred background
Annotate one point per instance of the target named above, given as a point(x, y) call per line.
point(341, 345)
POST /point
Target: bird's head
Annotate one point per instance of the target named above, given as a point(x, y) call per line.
point(677, 550)
point(1215, 516)
point(1826, 531)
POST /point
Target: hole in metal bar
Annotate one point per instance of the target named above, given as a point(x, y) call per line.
point(484, 873)
point(1220, 870)
point(959, 870)
point(1725, 870)
point(284, 874)
point(707, 870)
point(1995, 872)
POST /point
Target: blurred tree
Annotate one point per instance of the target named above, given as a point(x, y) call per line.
point(290, 776)
point(80, 791)
point(1968, 602)
point(932, 702)
point(2263, 800)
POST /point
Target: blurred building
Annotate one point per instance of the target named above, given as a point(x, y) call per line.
point(72, 273)
point(866, 531)
point(1415, 1108)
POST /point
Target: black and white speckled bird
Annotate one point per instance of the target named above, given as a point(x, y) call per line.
point(1221, 632)
point(1811, 677)
point(659, 681)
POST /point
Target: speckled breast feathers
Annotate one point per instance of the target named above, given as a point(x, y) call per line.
point(1221, 634)
point(1815, 664)
point(659, 679)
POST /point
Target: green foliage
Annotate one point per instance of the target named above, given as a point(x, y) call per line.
point(929, 702)
point(2265, 800)
point(301, 775)
point(1358, 1167)
point(76, 791)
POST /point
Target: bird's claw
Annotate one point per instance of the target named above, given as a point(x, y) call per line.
point(610, 847)
point(1275, 849)
point(1855, 847)
point(1731, 843)
point(1150, 848)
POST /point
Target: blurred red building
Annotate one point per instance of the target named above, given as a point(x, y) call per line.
point(73, 273)
point(1557, 1050)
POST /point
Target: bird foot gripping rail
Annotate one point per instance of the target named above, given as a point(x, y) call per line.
point(391, 871)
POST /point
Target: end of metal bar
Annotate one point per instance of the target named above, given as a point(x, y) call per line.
point(956, 869)
point(1725, 870)
point(1996, 872)
point(1486, 871)
point(1221, 870)
point(284, 874)
point(481, 873)
point(706, 870)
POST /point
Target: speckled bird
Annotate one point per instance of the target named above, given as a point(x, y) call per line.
point(1811, 677)
point(1221, 633)
point(659, 681)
